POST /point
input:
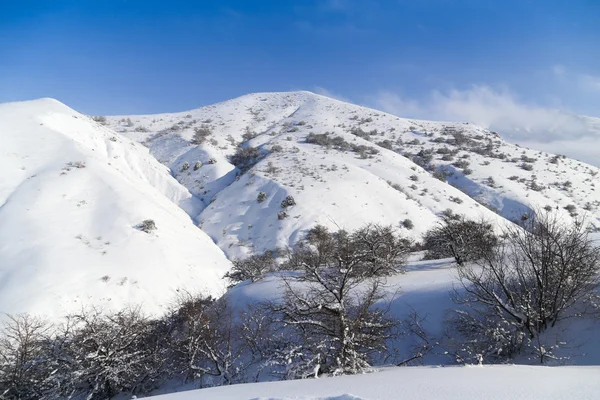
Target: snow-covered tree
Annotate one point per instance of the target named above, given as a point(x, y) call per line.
point(251, 268)
point(116, 352)
point(330, 310)
point(461, 238)
point(206, 342)
point(22, 357)
point(544, 271)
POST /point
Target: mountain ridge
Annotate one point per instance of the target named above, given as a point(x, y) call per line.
point(283, 121)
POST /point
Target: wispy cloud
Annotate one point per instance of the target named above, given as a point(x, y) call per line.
point(591, 82)
point(501, 110)
point(583, 81)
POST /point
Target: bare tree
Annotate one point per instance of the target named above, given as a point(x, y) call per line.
point(245, 157)
point(381, 250)
point(543, 272)
point(330, 311)
point(251, 268)
point(423, 342)
point(115, 353)
point(22, 357)
point(207, 342)
point(460, 238)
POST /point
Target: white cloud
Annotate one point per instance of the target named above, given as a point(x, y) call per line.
point(590, 82)
point(577, 80)
point(501, 110)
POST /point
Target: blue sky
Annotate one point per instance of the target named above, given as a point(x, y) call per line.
point(410, 57)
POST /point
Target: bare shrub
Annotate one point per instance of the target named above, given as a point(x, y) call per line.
point(408, 224)
point(251, 268)
point(147, 226)
point(282, 214)
point(100, 119)
point(200, 135)
point(114, 353)
point(571, 209)
point(23, 362)
point(526, 166)
point(245, 157)
point(288, 202)
point(458, 237)
point(262, 196)
point(543, 272)
point(206, 341)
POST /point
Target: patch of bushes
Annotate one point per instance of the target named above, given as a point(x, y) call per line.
point(245, 158)
point(526, 167)
point(147, 226)
point(336, 142)
point(460, 238)
point(100, 119)
point(251, 268)
point(262, 196)
point(201, 133)
point(288, 202)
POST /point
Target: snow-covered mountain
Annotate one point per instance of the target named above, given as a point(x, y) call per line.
point(72, 196)
point(359, 165)
point(114, 211)
point(74, 191)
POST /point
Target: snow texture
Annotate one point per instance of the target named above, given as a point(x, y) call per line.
point(72, 194)
point(416, 383)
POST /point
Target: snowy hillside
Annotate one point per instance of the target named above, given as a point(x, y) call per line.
point(359, 165)
point(72, 197)
point(129, 210)
point(73, 193)
point(450, 383)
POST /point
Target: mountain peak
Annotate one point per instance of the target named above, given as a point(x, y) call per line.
point(345, 165)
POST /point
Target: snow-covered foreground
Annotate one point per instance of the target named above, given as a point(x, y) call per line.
point(501, 382)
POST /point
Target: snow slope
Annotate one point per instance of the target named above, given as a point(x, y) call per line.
point(340, 187)
point(415, 383)
point(71, 195)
